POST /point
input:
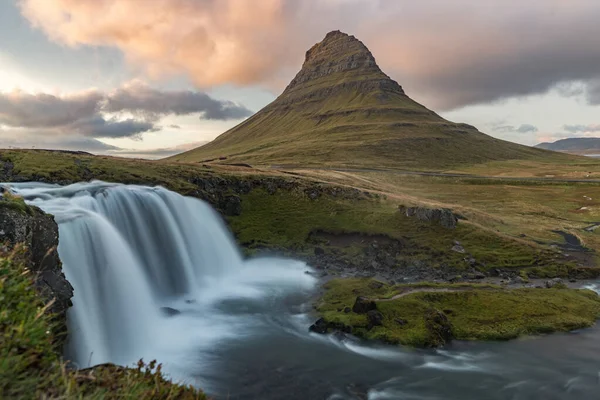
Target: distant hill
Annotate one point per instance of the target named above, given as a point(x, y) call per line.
point(342, 110)
point(587, 145)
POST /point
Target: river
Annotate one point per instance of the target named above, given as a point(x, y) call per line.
point(158, 276)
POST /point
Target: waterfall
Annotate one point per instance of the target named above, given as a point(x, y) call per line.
point(130, 250)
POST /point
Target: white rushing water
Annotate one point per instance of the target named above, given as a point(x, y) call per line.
point(129, 250)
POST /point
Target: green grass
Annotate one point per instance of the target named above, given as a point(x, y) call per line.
point(286, 221)
point(31, 368)
point(475, 312)
point(9, 200)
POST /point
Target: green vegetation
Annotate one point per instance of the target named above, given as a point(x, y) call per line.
point(31, 368)
point(475, 312)
point(68, 167)
point(289, 220)
point(9, 200)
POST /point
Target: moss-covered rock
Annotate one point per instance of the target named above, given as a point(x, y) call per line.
point(429, 315)
point(36, 235)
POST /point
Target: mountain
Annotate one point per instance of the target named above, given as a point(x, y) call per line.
point(342, 110)
point(573, 145)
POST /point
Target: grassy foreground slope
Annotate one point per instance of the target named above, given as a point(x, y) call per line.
point(414, 314)
point(342, 110)
point(31, 368)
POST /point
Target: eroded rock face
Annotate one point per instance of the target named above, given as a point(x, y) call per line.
point(441, 216)
point(39, 233)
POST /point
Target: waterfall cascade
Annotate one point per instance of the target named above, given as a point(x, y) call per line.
point(129, 251)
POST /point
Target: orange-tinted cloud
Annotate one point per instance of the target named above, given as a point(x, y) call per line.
point(447, 53)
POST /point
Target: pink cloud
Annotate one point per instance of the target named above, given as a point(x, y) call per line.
point(447, 53)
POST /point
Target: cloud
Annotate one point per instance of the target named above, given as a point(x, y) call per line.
point(489, 50)
point(156, 153)
point(18, 138)
point(21, 109)
point(97, 114)
point(581, 128)
point(524, 128)
point(527, 128)
point(98, 126)
point(593, 93)
point(137, 97)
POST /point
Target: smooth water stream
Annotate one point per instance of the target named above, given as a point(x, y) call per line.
point(242, 330)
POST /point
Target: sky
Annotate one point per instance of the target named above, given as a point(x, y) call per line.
point(149, 78)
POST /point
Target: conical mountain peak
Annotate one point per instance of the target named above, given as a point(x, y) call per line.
point(340, 57)
point(342, 110)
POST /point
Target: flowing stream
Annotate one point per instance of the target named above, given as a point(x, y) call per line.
point(158, 276)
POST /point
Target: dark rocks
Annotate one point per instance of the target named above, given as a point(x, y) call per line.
point(400, 321)
point(441, 216)
point(458, 248)
point(39, 233)
point(363, 305)
point(438, 327)
point(321, 326)
point(347, 310)
point(231, 205)
point(375, 318)
point(376, 285)
point(319, 251)
point(556, 282)
point(169, 311)
point(312, 193)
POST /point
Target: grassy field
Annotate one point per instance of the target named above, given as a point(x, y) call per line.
point(527, 211)
point(507, 225)
point(31, 368)
point(475, 312)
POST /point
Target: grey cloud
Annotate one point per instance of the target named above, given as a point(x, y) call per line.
point(174, 126)
point(40, 139)
point(142, 99)
point(157, 153)
point(19, 109)
point(85, 113)
point(524, 128)
point(581, 128)
point(527, 128)
point(593, 93)
point(111, 128)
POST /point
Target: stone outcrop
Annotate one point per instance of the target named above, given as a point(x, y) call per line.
point(30, 226)
point(441, 216)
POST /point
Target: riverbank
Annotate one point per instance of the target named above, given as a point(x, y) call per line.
point(433, 314)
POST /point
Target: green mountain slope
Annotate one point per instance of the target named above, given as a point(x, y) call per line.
point(342, 110)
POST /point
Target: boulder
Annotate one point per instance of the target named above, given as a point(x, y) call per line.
point(441, 216)
point(363, 305)
point(556, 282)
point(375, 318)
point(320, 326)
point(231, 205)
point(438, 326)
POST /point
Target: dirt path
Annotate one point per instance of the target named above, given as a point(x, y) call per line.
point(433, 290)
